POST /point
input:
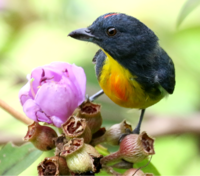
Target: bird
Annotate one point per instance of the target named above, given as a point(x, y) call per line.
point(132, 69)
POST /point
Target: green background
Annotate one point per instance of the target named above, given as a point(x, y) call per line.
point(34, 33)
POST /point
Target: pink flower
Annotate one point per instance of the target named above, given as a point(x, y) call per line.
point(53, 92)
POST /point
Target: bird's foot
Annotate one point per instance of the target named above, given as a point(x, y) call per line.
point(127, 132)
point(136, 131)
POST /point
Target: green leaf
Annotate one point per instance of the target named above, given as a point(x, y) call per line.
point(147, 169)
point(14, 160)
point(188, 7)
point(150, 168)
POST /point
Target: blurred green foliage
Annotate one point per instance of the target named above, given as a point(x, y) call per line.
point(34, 33)
point(188, 7)
point(15, 160)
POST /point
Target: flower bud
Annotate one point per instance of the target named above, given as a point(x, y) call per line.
point(55, 165)
point(91, 112)
point(80, 157)
point(76, 127)
point(135, 172)
point(133, 148)
point(41, 136)
point(53, 92)
point(113, 134)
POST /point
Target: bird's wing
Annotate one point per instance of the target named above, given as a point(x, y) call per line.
point(166, 73)
point(99, 59)
point(98, 54)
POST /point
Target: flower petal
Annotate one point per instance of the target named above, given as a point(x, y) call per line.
point(24, 93)
point(74, 73)
point(80, 80)
point(57, 99)
point(77, 77)
point(57, 121)
point(42, 117)
point(30, 109)
point(43, 75)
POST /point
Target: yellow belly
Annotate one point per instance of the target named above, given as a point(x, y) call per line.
point(122, 88)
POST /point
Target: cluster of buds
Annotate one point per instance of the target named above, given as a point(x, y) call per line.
point(74, 154)
point(80, 123)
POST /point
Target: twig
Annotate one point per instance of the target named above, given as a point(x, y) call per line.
point(8, 137)
point(165, 125)
point(15, 113)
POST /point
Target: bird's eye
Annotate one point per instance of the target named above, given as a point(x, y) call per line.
point(111, 31)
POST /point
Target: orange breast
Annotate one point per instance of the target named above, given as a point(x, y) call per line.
point(121, 86)
point(118, 86)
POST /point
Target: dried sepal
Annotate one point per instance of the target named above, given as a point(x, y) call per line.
point(54, 166)
point(80, 157)
point(113, 134)
point(72, 146)
point(147, 142)
point(59, 143)
point(76, 127)
point(41, 136)
point(133, 148)
point(91, 112)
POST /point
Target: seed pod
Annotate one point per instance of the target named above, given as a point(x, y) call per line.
point(91, 112)
point(76, 127)
point(41, 136)
point(80, 157)
point(54, 166)
point(113, 134)
point(133, 148)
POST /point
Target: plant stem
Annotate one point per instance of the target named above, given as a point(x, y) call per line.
point(15, 113)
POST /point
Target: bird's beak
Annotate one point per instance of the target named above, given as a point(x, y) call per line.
point(83, 34)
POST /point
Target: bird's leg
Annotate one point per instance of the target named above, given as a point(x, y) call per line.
point(96, 95)
point(137, 128)
point(122, 136)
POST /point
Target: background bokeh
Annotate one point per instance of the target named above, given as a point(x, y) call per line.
point(34, 33)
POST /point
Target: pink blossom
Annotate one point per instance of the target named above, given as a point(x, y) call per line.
point(53, 92)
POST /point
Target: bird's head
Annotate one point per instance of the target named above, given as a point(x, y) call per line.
point(120, 35)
